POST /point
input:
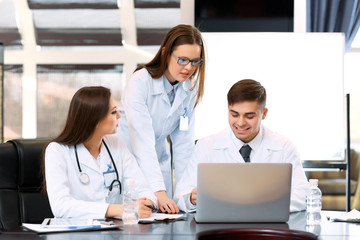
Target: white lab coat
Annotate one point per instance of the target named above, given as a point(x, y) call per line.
point(69, 197)
point(147, 118)
point(220, 148)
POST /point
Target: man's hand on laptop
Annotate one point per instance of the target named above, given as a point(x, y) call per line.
point(193, 196)
point(166, 205)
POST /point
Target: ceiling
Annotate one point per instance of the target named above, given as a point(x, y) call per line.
point(87, 22)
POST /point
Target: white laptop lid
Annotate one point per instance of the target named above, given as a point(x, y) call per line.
point(243, 192)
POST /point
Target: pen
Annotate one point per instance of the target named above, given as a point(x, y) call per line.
point(83, 227)
point(154, 209)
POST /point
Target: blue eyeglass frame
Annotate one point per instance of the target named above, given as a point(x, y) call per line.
point(186, 61)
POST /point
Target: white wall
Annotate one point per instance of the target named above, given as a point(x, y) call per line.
point(303, 76)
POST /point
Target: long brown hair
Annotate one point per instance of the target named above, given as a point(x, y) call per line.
point(88, 106)
point(176, 36)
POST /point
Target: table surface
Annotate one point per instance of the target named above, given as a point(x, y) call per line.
point(187, 229)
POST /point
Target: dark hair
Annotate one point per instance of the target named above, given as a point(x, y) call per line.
point(88, 106)
point(176, 36)
point(247, 90)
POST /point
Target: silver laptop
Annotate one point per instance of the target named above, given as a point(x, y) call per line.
point(243, 192)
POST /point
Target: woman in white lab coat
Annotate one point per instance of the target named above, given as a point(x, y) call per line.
point(159, 101)
point(85, 166)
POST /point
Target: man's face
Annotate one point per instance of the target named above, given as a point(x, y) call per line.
point(245, 119)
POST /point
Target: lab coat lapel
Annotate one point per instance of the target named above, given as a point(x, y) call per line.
point(178, 101)
point(264, 154)
point(181, 94)
point(159, 89)
point(268, 146)
point(223, 141)
point(86, 159)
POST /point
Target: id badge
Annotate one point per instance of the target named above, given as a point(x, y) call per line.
point(109, 176)
point(184, 123)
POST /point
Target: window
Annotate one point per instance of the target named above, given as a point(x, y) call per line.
point(352, 86)
point(55, 47)
point(13, 101)
point(56, 84)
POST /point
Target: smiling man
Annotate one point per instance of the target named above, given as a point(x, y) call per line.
point(247, 140)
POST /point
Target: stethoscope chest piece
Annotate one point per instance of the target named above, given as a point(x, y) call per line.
point(84, 178)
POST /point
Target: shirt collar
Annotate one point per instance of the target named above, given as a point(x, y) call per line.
point(168, 87)
point(158, 85)
point(254, 144)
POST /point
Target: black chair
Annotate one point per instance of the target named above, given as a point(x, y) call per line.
point(254, 234)
point(9, 201)
point(21, 195)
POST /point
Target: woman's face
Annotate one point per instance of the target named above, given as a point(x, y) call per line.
point(179, 73)
point(108, 125)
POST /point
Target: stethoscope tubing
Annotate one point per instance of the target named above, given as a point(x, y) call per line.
point(112, 160)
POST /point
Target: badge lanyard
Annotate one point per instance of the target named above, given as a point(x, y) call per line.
point(84, 177)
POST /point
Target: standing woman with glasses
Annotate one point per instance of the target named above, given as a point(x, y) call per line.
point(159, 101)
point(85, 166)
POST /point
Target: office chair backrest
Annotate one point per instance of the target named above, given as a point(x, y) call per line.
point(34, 203)
point(9, 202)
point(21, 197)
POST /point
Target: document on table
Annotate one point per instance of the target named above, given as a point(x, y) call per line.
point(159, 217)
point(68, 225)
point(352, 216)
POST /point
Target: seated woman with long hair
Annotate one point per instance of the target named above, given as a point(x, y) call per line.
point(85, 165)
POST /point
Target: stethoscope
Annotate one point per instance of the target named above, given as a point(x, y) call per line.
point(84, 177)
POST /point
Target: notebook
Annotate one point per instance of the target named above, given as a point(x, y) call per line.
point(243, 192)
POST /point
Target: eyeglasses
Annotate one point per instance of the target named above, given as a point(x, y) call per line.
point(185, 61)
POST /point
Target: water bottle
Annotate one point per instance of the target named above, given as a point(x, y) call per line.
point(313, 204)
point(130, 203)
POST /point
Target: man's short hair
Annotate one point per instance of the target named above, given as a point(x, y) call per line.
point(247, 90)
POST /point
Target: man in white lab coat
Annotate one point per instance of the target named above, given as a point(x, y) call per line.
point(247, 108)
